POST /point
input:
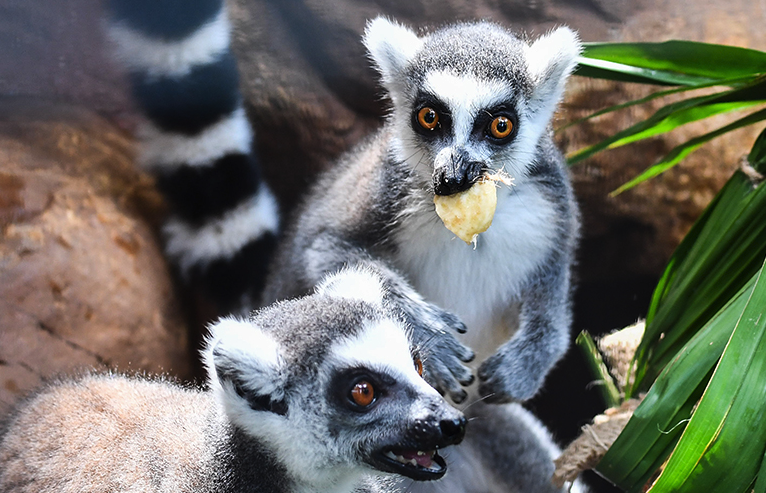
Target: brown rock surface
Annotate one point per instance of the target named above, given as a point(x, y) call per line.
point(82, 281)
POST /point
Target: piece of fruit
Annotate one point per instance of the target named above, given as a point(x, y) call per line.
point(470, 212)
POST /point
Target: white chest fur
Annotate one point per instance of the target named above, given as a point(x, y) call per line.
point(481, 285)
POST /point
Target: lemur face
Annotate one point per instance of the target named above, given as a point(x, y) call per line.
point(333, 383)
point(381, 408)
point(469, 99)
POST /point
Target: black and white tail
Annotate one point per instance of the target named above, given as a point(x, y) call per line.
point(197, 142)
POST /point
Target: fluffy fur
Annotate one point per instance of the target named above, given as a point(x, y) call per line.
point(279, 415)
point(197, 141)
point(512, 289)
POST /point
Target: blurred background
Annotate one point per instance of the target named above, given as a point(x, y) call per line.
point(82, 279)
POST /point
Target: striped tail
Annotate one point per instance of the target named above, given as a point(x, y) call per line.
point(197, 142)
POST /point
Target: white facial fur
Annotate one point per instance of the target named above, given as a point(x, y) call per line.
point(382, 346)
point(301, 436)
point(353, 284)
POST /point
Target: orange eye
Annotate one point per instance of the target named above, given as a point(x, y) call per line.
point(419, 366)
point(363, 394)
point(501, 127)
point(428, 118)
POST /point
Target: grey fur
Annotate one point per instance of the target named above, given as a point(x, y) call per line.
point(376, 208)
point(276, 419)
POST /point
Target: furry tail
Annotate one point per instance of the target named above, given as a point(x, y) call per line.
point(197, 142)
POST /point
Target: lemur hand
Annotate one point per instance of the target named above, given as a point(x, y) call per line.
point(433, 330)
point(511, 374)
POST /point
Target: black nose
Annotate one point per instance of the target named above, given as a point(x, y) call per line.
point(455, 177)
point(453, 430)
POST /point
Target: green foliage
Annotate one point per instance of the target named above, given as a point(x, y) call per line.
point(702, 360)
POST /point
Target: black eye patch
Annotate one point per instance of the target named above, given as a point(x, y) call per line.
point(430, 117)
point(345, 381)
point(498, 125)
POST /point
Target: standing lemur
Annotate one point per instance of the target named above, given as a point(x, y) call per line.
point(449, 90)
point(468, 100)
point(314, 395)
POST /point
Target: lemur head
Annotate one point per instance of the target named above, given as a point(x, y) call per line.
point(470, 98)
point(331, 382)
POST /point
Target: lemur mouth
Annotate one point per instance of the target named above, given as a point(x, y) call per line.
point(420, 465)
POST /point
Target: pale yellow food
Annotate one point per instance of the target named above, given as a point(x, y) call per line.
point(470, 212)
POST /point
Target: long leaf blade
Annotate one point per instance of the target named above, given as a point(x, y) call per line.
point(679, 113)
point(689, 58)
point(659, 420)
point(681, 151)
point(722, 447)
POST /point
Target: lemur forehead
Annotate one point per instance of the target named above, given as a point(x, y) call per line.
point(466, 92)
point(483, 50)
point(354, 284)
point(307, 327)
point(383, 345)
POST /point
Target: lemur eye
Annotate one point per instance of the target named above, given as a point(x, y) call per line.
point(501, 127)
point(428, 118)
point(419, 366)
point(363, 394)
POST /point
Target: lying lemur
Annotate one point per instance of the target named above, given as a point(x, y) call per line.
point(468, 100)
point(319, 394)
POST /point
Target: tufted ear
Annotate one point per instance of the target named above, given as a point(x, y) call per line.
point(551, 59)
point(354, 283)
point(391, 46)
point(245, 367)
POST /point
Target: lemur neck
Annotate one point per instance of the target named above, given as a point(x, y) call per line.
point(242, 464)
point(246, 464)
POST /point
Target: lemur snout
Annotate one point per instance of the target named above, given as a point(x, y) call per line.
point(453, 430)
point(440, 432)
point(456, 176)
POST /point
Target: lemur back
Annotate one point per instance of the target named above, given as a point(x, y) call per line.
point(319, 394)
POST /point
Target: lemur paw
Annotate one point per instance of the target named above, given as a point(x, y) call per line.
point(434, 332)
point(507, 376)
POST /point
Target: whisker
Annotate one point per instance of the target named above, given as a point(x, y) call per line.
point(480, 399)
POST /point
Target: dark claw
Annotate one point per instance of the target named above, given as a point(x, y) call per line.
point(468, 356)
point(458, 397)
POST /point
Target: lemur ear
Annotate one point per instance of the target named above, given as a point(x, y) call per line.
point(245, 366)
point(551, 59)
point(391, 46)
point(354, 283)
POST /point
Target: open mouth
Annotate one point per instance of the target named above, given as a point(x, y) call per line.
point(420, 465)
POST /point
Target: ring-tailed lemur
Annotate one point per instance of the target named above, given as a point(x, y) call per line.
point(377, 208)
point(197, 141)
point(320, 394)
point(468, 100)
point(452, 92)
